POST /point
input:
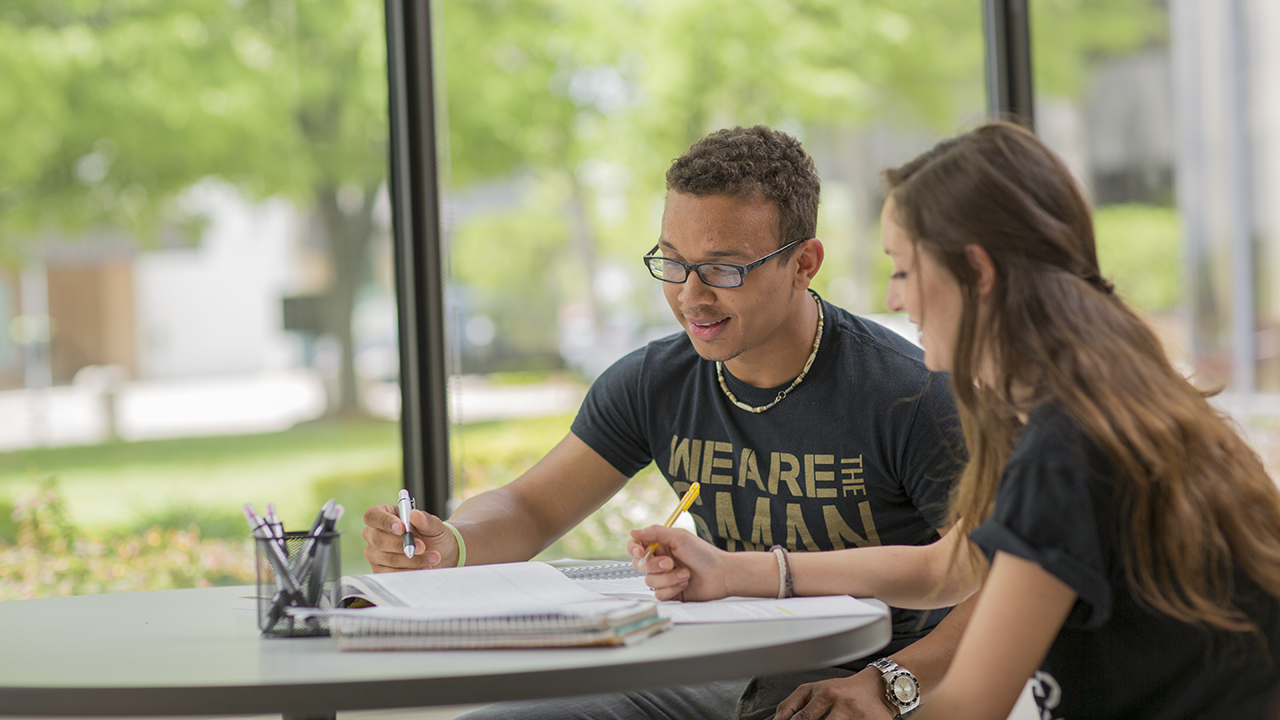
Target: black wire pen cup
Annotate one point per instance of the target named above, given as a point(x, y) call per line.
point(297, 572)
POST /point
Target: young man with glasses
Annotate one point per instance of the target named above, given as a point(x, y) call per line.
point(808, 427)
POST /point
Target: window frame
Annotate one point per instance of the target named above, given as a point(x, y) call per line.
point(416, 128)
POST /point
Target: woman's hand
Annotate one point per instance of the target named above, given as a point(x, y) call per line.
point(683, 567)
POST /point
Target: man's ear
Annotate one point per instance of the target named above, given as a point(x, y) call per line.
point(984, 270)
point(809, 260)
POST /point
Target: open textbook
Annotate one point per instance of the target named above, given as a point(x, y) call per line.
point(474, 586)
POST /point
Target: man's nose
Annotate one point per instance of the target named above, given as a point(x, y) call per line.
point(695, 292)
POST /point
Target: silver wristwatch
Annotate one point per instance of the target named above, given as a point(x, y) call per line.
point(901, 688)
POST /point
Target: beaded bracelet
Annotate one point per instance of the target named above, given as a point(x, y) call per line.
point(462, 545)
point(786, 586)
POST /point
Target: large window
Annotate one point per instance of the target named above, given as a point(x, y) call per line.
point(562, 119)
point(195, 284)
point(196, 265)
point(1169, 120)
point(1104, 103)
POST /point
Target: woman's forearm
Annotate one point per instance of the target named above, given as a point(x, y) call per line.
point(905, 576)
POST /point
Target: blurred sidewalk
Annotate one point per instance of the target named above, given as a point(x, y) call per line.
point(275, 401)
point(238, 404)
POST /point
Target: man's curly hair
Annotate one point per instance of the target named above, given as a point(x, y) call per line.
point(754, 162)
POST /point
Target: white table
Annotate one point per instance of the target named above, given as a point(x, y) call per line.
point(187, 652)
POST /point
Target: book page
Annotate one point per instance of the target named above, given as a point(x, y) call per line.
point(740, 609)
point(631, 589)
point(478, 586)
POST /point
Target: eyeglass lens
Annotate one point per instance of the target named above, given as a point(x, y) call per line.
point(713, 274)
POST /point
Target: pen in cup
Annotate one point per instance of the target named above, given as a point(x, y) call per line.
point(309, 547)
point(404, 504)
point(326, 522)
point(685, 502)
point(279, 561)
point(276, 554)
point(318, 565)
point(274, 525)
point(295, 570)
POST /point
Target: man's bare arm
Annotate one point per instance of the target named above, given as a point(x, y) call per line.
point(507, 524)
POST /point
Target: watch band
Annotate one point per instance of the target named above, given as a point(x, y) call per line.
point(901, 688)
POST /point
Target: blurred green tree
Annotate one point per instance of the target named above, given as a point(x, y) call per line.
point(111, 109)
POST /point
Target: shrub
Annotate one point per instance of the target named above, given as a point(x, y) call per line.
point(52, 557)
point(8, 523)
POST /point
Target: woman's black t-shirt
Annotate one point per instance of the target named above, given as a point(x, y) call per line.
point(1057, 506)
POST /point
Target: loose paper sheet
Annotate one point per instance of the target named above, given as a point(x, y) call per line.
point(740, 609)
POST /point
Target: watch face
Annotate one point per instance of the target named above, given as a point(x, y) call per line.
point(905, 689)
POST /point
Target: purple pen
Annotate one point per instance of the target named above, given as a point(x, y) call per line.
point(275, 554)
point(273, 520)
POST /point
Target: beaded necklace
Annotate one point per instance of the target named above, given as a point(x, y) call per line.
point(817, 340)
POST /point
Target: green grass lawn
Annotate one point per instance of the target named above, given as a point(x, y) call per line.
point(122, 485)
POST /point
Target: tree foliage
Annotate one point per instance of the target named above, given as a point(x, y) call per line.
point(112, 108)
point(104, 98)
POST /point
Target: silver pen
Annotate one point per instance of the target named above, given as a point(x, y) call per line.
point(405, 503)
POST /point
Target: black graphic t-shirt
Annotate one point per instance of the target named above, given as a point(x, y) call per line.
point(1114, 659)
point(863, 452)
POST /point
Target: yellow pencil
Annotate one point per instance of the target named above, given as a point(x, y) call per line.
point(685, 503)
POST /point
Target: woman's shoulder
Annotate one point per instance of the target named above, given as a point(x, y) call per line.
point(1051, 436)
point(1049, 419)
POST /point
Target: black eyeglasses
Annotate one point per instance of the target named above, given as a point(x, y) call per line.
point(721, 275)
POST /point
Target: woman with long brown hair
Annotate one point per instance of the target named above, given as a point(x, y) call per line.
point(1125, 539)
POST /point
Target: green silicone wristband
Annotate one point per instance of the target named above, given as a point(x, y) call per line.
point(462, 545)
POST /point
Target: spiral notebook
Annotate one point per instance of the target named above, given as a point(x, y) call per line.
point(603, 622)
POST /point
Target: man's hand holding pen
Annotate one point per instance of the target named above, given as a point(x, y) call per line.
point(434, 545)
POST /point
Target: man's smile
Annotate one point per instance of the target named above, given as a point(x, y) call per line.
point(705, 328)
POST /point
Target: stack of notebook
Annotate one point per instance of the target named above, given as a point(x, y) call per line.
point(603, 622)
point(516, 605)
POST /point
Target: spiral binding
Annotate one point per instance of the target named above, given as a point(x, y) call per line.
point(531, 624)
point(611, 571)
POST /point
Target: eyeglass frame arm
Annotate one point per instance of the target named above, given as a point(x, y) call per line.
point(695, 267)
